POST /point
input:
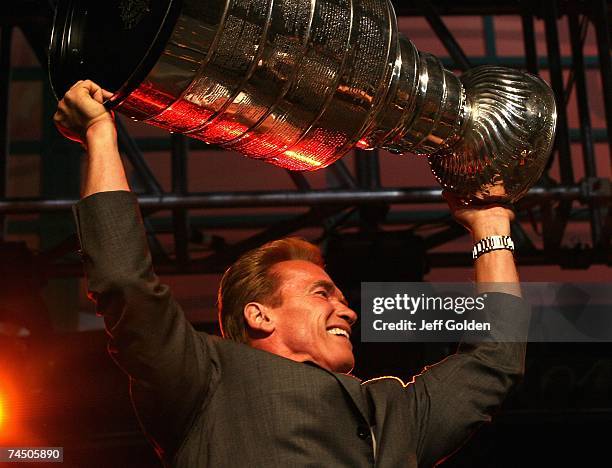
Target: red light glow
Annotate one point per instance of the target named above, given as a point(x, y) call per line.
point(278, 139)
point(5, 433)
point(8, 429)
point(2, 411)
point(18, 409)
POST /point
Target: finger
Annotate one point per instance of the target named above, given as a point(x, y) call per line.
point(89, 84)
point(87, 90)
point(91, 87)
point(106, 94)
point(82, 86)
point(76, 84)
point(98, 95)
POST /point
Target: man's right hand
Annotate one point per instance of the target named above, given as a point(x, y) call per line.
point(81, 109)
point(81, 116)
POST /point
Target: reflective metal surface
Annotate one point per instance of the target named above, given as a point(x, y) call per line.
point(299, 83)
point(507, 136)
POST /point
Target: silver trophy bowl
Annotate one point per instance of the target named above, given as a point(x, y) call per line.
point(300, 83)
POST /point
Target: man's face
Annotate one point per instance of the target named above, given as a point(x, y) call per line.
point(313, 322)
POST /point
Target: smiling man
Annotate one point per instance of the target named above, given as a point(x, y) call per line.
point(275, 392)
point(278, 298)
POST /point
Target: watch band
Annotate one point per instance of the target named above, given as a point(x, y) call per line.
point(490, 243)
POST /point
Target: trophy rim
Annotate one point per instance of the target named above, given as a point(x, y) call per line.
point(67, 57)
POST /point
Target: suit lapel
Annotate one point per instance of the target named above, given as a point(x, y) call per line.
point(352, 386)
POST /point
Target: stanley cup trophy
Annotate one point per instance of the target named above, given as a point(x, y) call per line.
point(299, 83)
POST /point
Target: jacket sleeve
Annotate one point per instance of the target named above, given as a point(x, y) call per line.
point(455, 396)
point(171, 366)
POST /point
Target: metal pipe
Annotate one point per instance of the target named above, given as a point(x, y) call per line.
point(137, 160)
point(180, 217)
point(488, 26)
point(179, 155)
point(531, 53)
point(341, 173)
point(367, 164)
point(283, 198)
point(298, 178)
point(5, 85)
point(367, 169)
point(556, 79)
point(448, 40)
point(580, 86)
point(555, 228)
point(602, 28)
point(586, 135)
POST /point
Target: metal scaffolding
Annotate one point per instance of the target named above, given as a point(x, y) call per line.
point(356, 198)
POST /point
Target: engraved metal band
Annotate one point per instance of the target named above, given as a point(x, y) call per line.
point(488, 244)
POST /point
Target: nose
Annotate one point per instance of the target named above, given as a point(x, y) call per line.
point(346, 313)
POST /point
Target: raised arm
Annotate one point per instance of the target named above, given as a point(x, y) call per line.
point(456, 395)
point(171, 367)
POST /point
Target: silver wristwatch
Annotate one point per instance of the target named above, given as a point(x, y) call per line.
point(488, 244)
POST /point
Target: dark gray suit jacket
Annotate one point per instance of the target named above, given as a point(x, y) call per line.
point(208, 402)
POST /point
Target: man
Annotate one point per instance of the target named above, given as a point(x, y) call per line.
point(276, 393)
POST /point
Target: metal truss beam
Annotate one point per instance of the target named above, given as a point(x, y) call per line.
point(135, 157)
point(341, 174)
point(448, 40)
point(600, 15)
point(180, 216)
point(557, 221)
point(577, 27)
point(311, 198)
point(5, 84)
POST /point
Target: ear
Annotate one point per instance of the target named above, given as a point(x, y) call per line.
point(257, 317)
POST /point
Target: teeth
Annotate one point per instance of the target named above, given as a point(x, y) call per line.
point(338, 331)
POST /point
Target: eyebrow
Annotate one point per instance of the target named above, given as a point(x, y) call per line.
point(330, 288)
